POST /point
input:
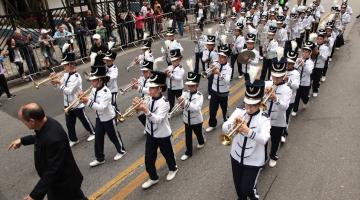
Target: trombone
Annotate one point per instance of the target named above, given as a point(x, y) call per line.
point(76, 101)
point(176, 108)
point(132, 109)
point(227, 138)
point(122, 91)
point(50, 78)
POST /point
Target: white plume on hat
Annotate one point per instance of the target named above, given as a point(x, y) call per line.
point(157, 61)
point(312, 37)
point(280, 53)
point(92, 58)
point(170, 23)
point(210, 30)
point(110, 45)
point(222, 15)
point(65, 47)
point(146, 34)
point(189, 63)
point(242, 4)
point(293, 45)
point(223, 39)
point(253, 71)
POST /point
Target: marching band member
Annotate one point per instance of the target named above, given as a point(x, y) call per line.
point(112, 72)
point(317, 16)
point(192, 101)
point(220, 86)
point(281, 34)
point(242, 17)
point(100, 101)
point(301, 24)
point(175, 75)
point(70, 84)
point(209, 56)
point(254, 17)
point(322, 55)
point(330, 43)
point(280, 95)
point(236, 48)
point(248, 146)
point(308, 22)
point(292, 80)
point(158, 130)
point(250, 46)
point(221, 31)
point(269, 52)
point(262, 30)
point(171, 44)
point(231, 23)
point(142, 84)
point(199, 49)
point(146, 52)
point(305, 77)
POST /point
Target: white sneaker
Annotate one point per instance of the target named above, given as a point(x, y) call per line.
point(330, 59)
point(200, 146)
point(323, 79)
point(315, 94)
point(337, 48)
point(209, 129)
point(118, 156)
point(209, 97)
point(240, 77)
point(144, 132)
point(184, 157)
point(272, 163)
point(261, 58)
point(171, 175)
point(90, 138)
point(149, 183)
point(283, 139)
point(73, 143)
point(95, 163)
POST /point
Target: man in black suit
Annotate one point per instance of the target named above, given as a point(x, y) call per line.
point(60, 177)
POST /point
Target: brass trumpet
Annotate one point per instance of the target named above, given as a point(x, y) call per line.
point(133, 63)
point(131, 110)
point(205, 73)
point(49, 79)
point(267, 96)
point(226, 139)
point(176, 108)
point(122, 91)
point(76, 101)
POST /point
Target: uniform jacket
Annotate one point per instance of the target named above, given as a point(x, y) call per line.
point(221, 83)
point(112, 72)
point(192, 107)
point(293, 83)
point(71, 84)
point(100, 101)
point(175, 81)
point(305, 73)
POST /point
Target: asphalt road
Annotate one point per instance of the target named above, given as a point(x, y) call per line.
point(319, 161)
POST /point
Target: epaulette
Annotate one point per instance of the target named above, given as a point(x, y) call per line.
point(105, 90)
point(265, 114)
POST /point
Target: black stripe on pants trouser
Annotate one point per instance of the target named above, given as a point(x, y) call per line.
point(266, 69)
point(70, 119)
point(326, 66)
point(197, 128)
point(215, 101)
point(108, 127)
point(275, 133)
point(303, 94)
point(171, 97)
point(113, 100)
point(317, 74)
point(245, 178)
point(234, 60)
point(288, 112)
point(210, 82)
point(151, 146)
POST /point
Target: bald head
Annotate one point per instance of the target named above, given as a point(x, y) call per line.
point(31, 111)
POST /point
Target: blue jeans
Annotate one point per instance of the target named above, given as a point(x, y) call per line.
point(181, 28)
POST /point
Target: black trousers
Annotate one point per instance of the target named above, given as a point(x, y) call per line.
point(275, 133)
point(113, 100)
point(339, 41)
point(69, 194)
point(326, 66)
point(198, 59)
point(4, 86)
point(288, 112)
point(210, 82)
point(142, 119)
point(197, 128)
point(245, 178)
point(300, 40)
point(215, 102)
point(151, 146)
point(108, 127)
point(266, 69)
point(70, 119)
point(303, 94)
point(232, 62)
point(171, 97)
point(20, 66)
point(316, 75)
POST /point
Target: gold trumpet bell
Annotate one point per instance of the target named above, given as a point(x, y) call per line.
point(225, 139)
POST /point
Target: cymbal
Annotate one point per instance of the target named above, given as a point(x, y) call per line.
point(245, 57)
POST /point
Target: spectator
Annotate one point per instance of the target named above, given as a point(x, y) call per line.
point(80, 33)
point(108, 24)
point(121, 29)
point(16, 57)
point(212, 10)
point(3, 83)
point(47, 48)
point(192, 3)
point(70, 28)
point(220, 7)
point(101, 30)
point(91, 21)
point(237, 5)
point(23, 43)
point(157, 6)
point(167, 6)
point(139, 25)
point(181, 18)
point(158, 20)
point(144, 9)
point(62, 37)
point(130, 26)
point(150, 21)
point(200, 14)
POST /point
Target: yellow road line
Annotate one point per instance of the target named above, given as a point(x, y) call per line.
point(135, 183)
point(135, 165)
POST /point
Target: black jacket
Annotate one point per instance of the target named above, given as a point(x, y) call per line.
point(54, 161)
